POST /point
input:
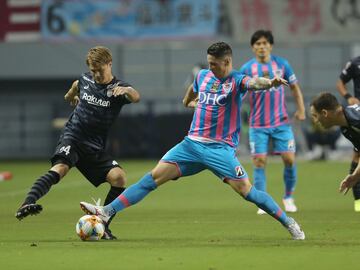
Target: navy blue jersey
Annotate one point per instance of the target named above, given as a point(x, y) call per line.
point(92, 118)
point(352, 72)
point(352, 132)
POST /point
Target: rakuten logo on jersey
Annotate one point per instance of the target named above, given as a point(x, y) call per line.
point(212, 99)
point(91, 99)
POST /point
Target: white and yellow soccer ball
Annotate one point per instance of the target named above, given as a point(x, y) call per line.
point(90, 228)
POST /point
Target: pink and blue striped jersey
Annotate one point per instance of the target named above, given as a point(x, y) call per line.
point(217, 114)
point(268, 107)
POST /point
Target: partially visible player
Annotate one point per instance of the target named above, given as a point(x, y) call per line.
point(351, 71)
point(268, 115)
point(98, 97)
point(211, 141)
point(326, 111)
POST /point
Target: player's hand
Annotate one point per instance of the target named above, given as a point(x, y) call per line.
point(348, 182)
point(300, 115)
point(120, 90)
point(72, 100)
point(193, 103)
point(353, 100)
point(277, 81)
point(75, 101)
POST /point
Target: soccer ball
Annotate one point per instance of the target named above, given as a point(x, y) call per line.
point(90, 228)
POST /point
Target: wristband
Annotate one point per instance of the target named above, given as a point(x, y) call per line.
point(347, 96)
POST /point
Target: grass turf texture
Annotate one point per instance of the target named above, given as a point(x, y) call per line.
point(195, 223)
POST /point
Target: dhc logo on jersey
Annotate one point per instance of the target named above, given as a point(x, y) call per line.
point(212, 99)
point(91, 99)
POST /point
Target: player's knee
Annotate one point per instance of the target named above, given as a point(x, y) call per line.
point(240, 186)
point(259, 162)
point(289, 161)
point(116, 177)
point(61, 169)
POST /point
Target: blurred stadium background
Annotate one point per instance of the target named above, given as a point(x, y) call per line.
point(155, 44)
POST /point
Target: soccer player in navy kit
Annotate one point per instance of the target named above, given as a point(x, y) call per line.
point(98, 97)
point(211, 142)
point(326, 110)
point(351, 71)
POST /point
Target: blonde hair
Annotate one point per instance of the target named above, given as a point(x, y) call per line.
point(98, 55)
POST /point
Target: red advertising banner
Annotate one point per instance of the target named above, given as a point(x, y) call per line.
point(20, 20)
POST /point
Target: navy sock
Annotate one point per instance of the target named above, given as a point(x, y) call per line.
point(41, 187)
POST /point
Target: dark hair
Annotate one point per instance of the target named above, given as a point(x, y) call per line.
point(262, 33)
point(325, 101)
point(220, 49)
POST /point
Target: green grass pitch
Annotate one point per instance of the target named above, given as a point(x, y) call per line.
point(195, 223)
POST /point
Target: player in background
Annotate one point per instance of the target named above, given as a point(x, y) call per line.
point(326, 111)
point(352, 72)
point(211, 141)
point(98, 97)
point(269, 118)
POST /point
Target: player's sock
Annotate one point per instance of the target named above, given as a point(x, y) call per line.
point(41, 187)
point(132, 194)
point(356, 188)
point(259, 178)
point(265, 202)
point(289, 180)
point(114, 192)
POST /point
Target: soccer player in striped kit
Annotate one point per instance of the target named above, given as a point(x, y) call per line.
point(211, 142)
point(269, 118)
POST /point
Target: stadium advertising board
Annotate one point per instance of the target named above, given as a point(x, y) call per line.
point(122, 20)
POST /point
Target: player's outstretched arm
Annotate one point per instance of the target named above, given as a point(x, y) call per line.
point(297, 94)
point(131, 94)
point(73, 94)
point(190, 100)
point(261, 83)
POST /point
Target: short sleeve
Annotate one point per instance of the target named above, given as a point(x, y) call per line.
point(196, 81)
point(243, 70)
point(348, 72)
point(289, 74)
point(122, 98)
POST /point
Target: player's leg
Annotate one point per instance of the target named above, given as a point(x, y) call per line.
point(162, 173)
point(222, 161)
point(264, 201)
point(356, 188)
point(63, 159)
point(99, 167)
point(259, 140)
point(284, 144)
point(117, 179)
point(173, 165)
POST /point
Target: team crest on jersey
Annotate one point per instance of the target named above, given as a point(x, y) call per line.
point(278, 73)
point(214, 87)
point(109, 92)
point(110, 88)
point(239, 171)
point(227, 87)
